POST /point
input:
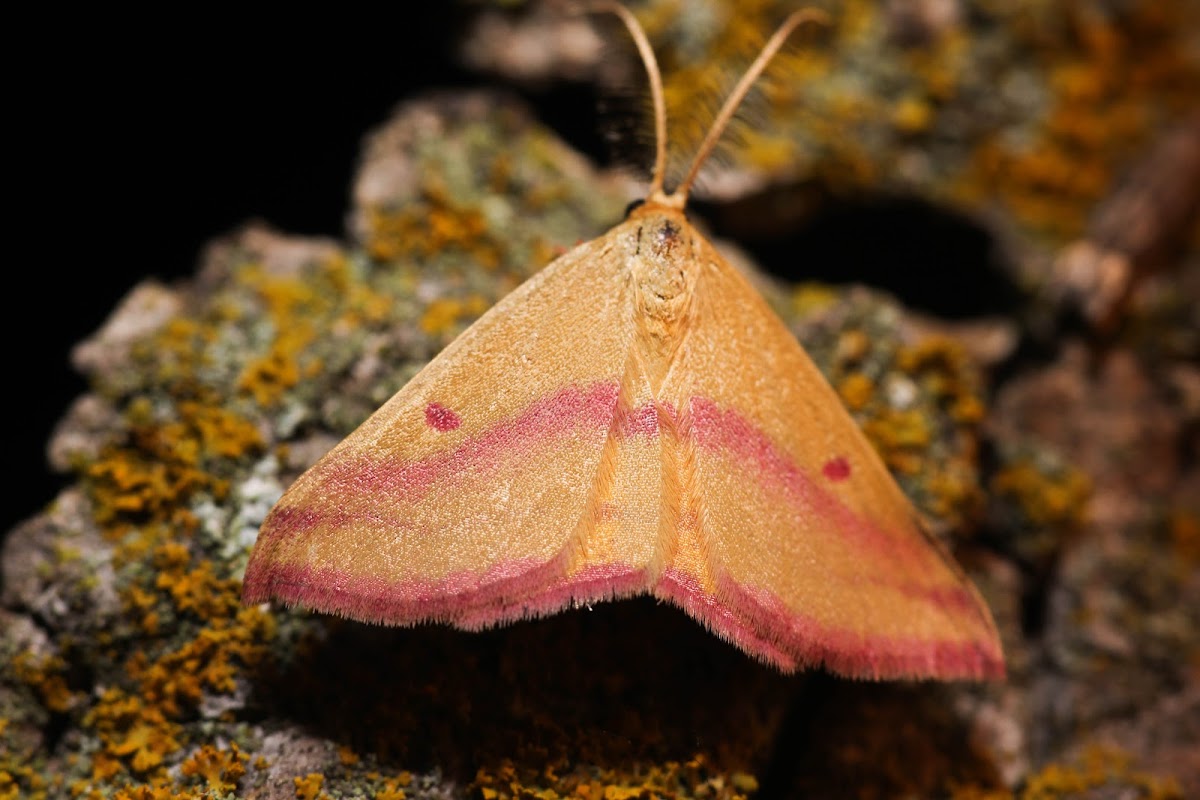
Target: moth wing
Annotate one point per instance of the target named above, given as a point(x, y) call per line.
point(795, 541)
point(465, 497)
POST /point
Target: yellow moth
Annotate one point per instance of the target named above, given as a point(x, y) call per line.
point(634, 419)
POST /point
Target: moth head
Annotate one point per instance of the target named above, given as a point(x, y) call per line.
point(663, 232)
point(662, 262)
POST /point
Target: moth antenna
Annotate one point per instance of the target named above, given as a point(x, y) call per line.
point(656, 88)
point(794, 20)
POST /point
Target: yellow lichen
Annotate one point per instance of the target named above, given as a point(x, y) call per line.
point(267, 378)
point(220, 769)
point(45, 675)
point(1106, 75)
point(446, 314)
point(393, 788)
point(139, 725)
point(431, 227)
point(1055, 498)
point(144, 792)
point(162, 464)
point(134, 736)
point(912, 115)
point(347, 757)
point(1098, 767)
point(901, 436)
point(808, 299)
point(856, 390)
point(693, 778)
point(309, 786)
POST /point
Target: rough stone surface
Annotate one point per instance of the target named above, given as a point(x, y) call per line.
point(1062, 469)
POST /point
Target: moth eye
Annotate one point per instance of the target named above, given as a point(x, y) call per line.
point(635, 204)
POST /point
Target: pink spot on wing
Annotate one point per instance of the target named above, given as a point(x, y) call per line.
point(836, 469)
point(714, 428)
point(440, 418)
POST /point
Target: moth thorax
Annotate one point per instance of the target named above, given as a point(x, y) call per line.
point(664, 267)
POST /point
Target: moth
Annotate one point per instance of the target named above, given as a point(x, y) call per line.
point(634, 419)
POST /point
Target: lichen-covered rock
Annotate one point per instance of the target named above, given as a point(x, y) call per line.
point(1029, 110)
point(1113, 590)
point(58, 568)
point(131, 669)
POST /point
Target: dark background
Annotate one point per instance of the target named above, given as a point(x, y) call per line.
point(132, 150)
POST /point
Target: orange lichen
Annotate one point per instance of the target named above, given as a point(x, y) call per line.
point(446, 314)
point(143, 792)
point(138, 731)
point(1054, 497)
point(46, 676)
point(1106, 75)
point(347, 757)
point(197, 591)
point(139, 723)
point(161, 465)
point(178, 351)
point(943, 368)
point(954, 492)
point(309, 787)
point(220, 769)
point(360, 304)
point(1098, 768)
point(920, 405)
point(267, 378)
point(692, 778)
point(430, 227)
point(10, 788)
point(393, 788)
point(853, 345)
point(177, 679)
point(287, 359)
point(283, 297)
point(134, 735)
point(209, 772)
point(1076, 91)
point(856, 390)
point(912, 115)
point(901, 437)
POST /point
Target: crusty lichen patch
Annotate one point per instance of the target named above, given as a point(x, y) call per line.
point(1026, 111)
point(1039, 501)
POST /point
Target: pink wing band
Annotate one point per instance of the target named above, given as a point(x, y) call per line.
point(753, 618)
